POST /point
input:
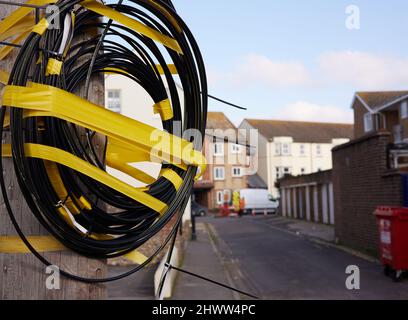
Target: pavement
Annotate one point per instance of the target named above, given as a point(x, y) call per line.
point(139, 286)
point(278, 258)
point(201, 257)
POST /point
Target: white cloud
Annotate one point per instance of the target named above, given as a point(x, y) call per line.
point(365, 71)
point(305, 111)
point(258, 70)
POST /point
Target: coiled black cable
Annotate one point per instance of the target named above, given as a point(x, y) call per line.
point(132, 55)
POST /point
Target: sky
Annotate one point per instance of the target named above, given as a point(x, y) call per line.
point(299, 60)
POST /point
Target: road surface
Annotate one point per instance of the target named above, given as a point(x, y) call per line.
point(275, 263)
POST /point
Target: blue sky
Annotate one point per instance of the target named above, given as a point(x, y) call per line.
point(296, 59)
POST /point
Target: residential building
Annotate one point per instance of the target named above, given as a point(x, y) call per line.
point(381, 110)
point(364, 175)
point(295, 148)
point(228, 161)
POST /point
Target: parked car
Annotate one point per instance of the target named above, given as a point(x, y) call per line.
point(258, 201)
point(198, 210)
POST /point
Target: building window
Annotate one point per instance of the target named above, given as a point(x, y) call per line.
point(237, 172)
point(318, 150)
point(218, 149)
point(278, 172)
point(404, 110)
point(302, 150)
point(368, 122)
point(114, 101)
point(219, 173)
point(282, 171)
point(285, 149)
point(277, 149)
point(235, 148)
point(220, 197)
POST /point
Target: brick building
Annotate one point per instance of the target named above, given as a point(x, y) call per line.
point(381, 110)
point(363, 180)
point(294, 147)
point(366, 172)
point(228, 160)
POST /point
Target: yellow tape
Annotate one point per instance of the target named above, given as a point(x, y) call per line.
point(15, 17)
point(85, 203)
point(136, 257)
point(13, 244)
point(132, 24)
point(77, 164)
point(173, 177)
point(172, 69)
point(25, 24)
point(69, 160)
point(41, 26)
point(54, 67)
point(46, 99)
point(164, 109)
point(4, 77)
point(170, 17)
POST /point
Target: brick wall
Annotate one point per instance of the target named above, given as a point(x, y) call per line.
point(361, 182)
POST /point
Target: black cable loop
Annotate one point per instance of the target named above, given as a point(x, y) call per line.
point(132, 223)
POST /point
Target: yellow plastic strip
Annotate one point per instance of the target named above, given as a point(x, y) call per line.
point(164, 109)
point(132, 24)
point(136, 257)
point(170, 17)
point(168, 147)
point(171, 67)
point(15, 17)
point(173, 177)
point(4, 77)
point(26, 24)
point(54, 67)
point(77, 164)
point(5, 51)
point(129, 170)
point(41, 26)
point(13, 244)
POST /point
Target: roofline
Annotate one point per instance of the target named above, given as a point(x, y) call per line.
point(300, 121)
point(392, 103)
point(357, 97)
point(379, 109)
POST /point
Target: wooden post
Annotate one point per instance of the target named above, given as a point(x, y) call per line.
point(22, 276)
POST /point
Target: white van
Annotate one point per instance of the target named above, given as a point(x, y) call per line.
point(258, 201)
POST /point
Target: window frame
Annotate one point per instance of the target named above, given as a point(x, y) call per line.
point(219, 200)
point(240, 175)
point(288, 151)
point(115, 99)
point(368, 117)
point(404, 110)
point(235, 145)
point(215, 173)
point(319, 150)
point(221, 153)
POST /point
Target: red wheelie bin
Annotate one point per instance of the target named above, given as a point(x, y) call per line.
point(393, 232)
